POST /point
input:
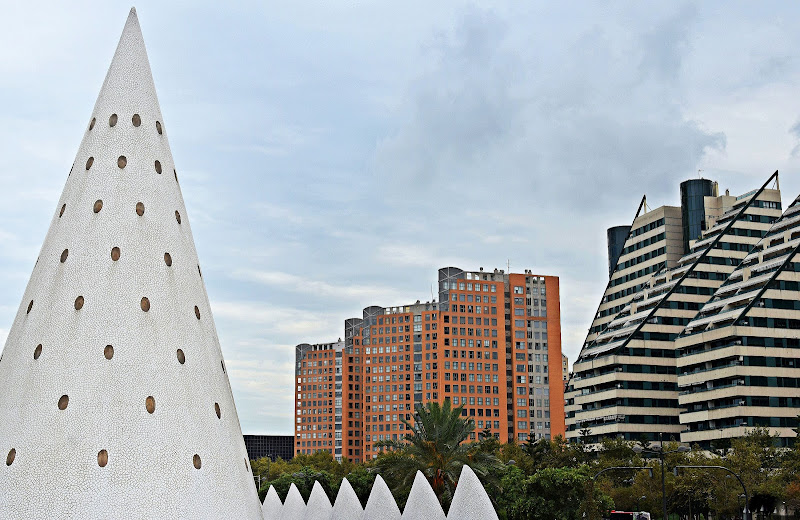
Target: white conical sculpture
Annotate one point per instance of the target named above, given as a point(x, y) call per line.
point(271, 508)
point(319, 506)
point(294, 507)
point(381, 504)
point(470, 501)
point(347, 505)
point(114, 401)
point(422, 503)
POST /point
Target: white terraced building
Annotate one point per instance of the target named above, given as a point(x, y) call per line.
point(739, 358)
point(624, 382)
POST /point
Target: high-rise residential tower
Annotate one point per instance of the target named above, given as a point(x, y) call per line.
point(739, 357)
point(624, 382)
point(492, 343)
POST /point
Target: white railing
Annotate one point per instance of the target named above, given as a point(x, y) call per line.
point(470, 502)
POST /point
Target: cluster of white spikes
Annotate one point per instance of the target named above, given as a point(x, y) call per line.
point(470, 502)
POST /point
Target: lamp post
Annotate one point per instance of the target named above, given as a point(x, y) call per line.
point(659, 450)
point(746, 512)
point(638, 500)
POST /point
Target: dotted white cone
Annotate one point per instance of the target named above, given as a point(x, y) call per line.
point(271, 508)
point(319, 506)
point(347, 506)
point(422, 503)
point(470, 501)
point(294, 508)
point(381, 504)
point(113, 392)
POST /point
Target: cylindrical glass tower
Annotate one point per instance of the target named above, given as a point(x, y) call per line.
point(693, 212)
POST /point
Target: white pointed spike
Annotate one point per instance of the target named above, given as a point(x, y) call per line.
point(381, 504)
point(271, 508)
point(294, 508)
point(319, 505)
point(127, 399)
point(422, 503)
point(347, 505)
point(470, 501)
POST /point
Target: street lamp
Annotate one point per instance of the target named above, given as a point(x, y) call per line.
point(638, 500)
point(659, 450)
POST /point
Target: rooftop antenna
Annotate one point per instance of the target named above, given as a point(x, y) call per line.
point(699, 172)
point(508, 265)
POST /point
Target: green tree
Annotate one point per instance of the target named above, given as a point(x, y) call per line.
point(304, 480)
point(438, 446)
point(551, 494)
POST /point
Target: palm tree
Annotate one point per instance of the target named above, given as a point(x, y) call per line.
point(438, 446)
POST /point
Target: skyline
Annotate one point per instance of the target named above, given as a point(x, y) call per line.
point(287, 151)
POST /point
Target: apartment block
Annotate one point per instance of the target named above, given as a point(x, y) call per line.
point(318, 397)
point(739, 357)
point(491, 343)
point(624, 382)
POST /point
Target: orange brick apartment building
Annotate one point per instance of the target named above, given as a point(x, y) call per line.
point(492, 343)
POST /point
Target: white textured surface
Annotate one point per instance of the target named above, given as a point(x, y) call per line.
point(150, 472)
point(319, 506)
point(381, 504)
point(422, 503)
point(470, 501)
point(271, 508)
point(294, 508)
point(347, 505)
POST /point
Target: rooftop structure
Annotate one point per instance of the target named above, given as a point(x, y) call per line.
point(113, 388)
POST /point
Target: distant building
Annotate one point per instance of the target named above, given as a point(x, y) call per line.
point(272, 446)
point(492, 344)
point(625, 381)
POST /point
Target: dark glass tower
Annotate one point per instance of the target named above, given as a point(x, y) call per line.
point(693, 212)
point(616, 237)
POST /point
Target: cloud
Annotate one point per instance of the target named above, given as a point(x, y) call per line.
point(276, 320)
point(583, 115)
point(319, 288)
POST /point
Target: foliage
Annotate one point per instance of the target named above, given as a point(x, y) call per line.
point(550, 493)
point(552, 479)
point(438, 446)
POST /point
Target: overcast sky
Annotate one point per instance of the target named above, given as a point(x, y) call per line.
point(334, 154)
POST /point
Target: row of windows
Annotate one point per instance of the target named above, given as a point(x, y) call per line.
point(647, 227)
point(642, 258)
point(472, 389)
point(636, 274)
point(467, 286)
point(644, 243)
point(471, 377)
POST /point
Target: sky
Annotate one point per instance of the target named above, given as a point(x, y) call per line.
point(334, 155)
